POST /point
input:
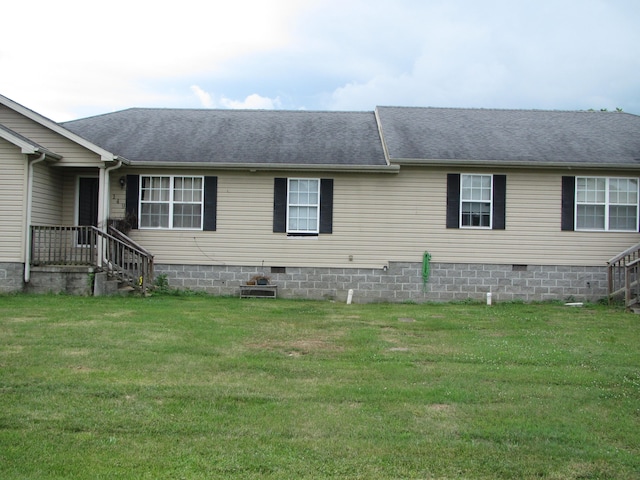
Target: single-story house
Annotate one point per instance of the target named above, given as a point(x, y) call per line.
point(397, 204)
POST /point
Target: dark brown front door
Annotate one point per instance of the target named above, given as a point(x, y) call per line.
point(87, 204)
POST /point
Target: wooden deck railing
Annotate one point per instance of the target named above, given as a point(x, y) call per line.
point(622, 275)
point(114, 252)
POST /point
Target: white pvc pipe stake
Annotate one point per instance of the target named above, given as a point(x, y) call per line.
point(350, 296)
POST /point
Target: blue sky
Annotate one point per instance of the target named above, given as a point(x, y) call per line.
point(72, 58)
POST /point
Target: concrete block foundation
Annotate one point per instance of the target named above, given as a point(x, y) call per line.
point(403, 282)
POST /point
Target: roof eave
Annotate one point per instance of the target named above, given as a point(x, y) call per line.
point(511, 164)
point(27, 148)
point(48, 154)
point(105, 156)
point(269, 166)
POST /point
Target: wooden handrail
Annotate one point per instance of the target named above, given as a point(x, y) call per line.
point(623, 273)
point(88, 245)
point(123, 237)
point(627, 252)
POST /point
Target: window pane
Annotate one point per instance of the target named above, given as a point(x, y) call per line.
point(155, 189)
point(178, 192)
point(154, 215)
point(187, 216)
point(623, 191)
point(476, 187)
point(476, 214)
point(197, 190)
point(187, 189)
point(623, 218)
point(591, 190)
point(303, 219)
point(591, 217)
point(303, 192)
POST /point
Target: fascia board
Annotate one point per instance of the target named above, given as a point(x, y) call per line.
point(105, 156)
point(26, 147)
point(510, 164)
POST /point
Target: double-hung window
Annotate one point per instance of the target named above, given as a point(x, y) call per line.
point(604, 203)
point(475, 200)
point(303, 205)
point(171, 202)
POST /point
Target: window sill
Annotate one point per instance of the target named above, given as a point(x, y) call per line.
point(302, 235)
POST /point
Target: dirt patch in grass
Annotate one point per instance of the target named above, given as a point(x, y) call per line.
point(81, 368)
point(119, 313)
point(23, 319)
point(298, 348)
point(75, 352)
point(440, 407)
point(11, 350)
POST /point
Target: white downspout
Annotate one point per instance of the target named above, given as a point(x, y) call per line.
point(105, 188)
point(103, 202)
point(27, 256)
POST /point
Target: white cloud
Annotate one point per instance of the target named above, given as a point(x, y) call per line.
point(253, 101)
point(204, 97)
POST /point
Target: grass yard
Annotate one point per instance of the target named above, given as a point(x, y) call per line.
point(195, 387)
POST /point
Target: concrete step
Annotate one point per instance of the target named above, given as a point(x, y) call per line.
point(105, 285)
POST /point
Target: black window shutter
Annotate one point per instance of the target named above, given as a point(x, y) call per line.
point(131, 203)
point(453, 200)
point(280, 205)
point(326, 205)
point(210, 203)
point(568, 203)
point(499, 201)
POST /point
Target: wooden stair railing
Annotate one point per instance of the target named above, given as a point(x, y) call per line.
point(114, 252)
point(622, 276)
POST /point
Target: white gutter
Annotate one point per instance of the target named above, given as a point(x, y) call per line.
point(511, 164)
point(27, 256)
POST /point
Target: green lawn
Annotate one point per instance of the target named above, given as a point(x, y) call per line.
point(195, 387)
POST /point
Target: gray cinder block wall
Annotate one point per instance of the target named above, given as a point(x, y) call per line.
point(403, 282)
point(11, 277)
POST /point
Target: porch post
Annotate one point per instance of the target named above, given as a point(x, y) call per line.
point(104, 189)
point(103, 182)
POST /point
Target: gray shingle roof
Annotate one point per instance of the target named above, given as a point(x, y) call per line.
point(183, 136)
point(511, 136)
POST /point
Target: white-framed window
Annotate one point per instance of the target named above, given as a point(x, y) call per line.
point(303, 205)
point(476, 198)
point(607, 203)
point(171, 202)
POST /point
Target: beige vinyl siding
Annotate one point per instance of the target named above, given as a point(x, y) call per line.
point(47, 195)
point(12, 202)
point(72, 153)
point(118, 195)
point(380, 218)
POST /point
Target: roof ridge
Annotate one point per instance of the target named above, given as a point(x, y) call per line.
point(496, 109)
